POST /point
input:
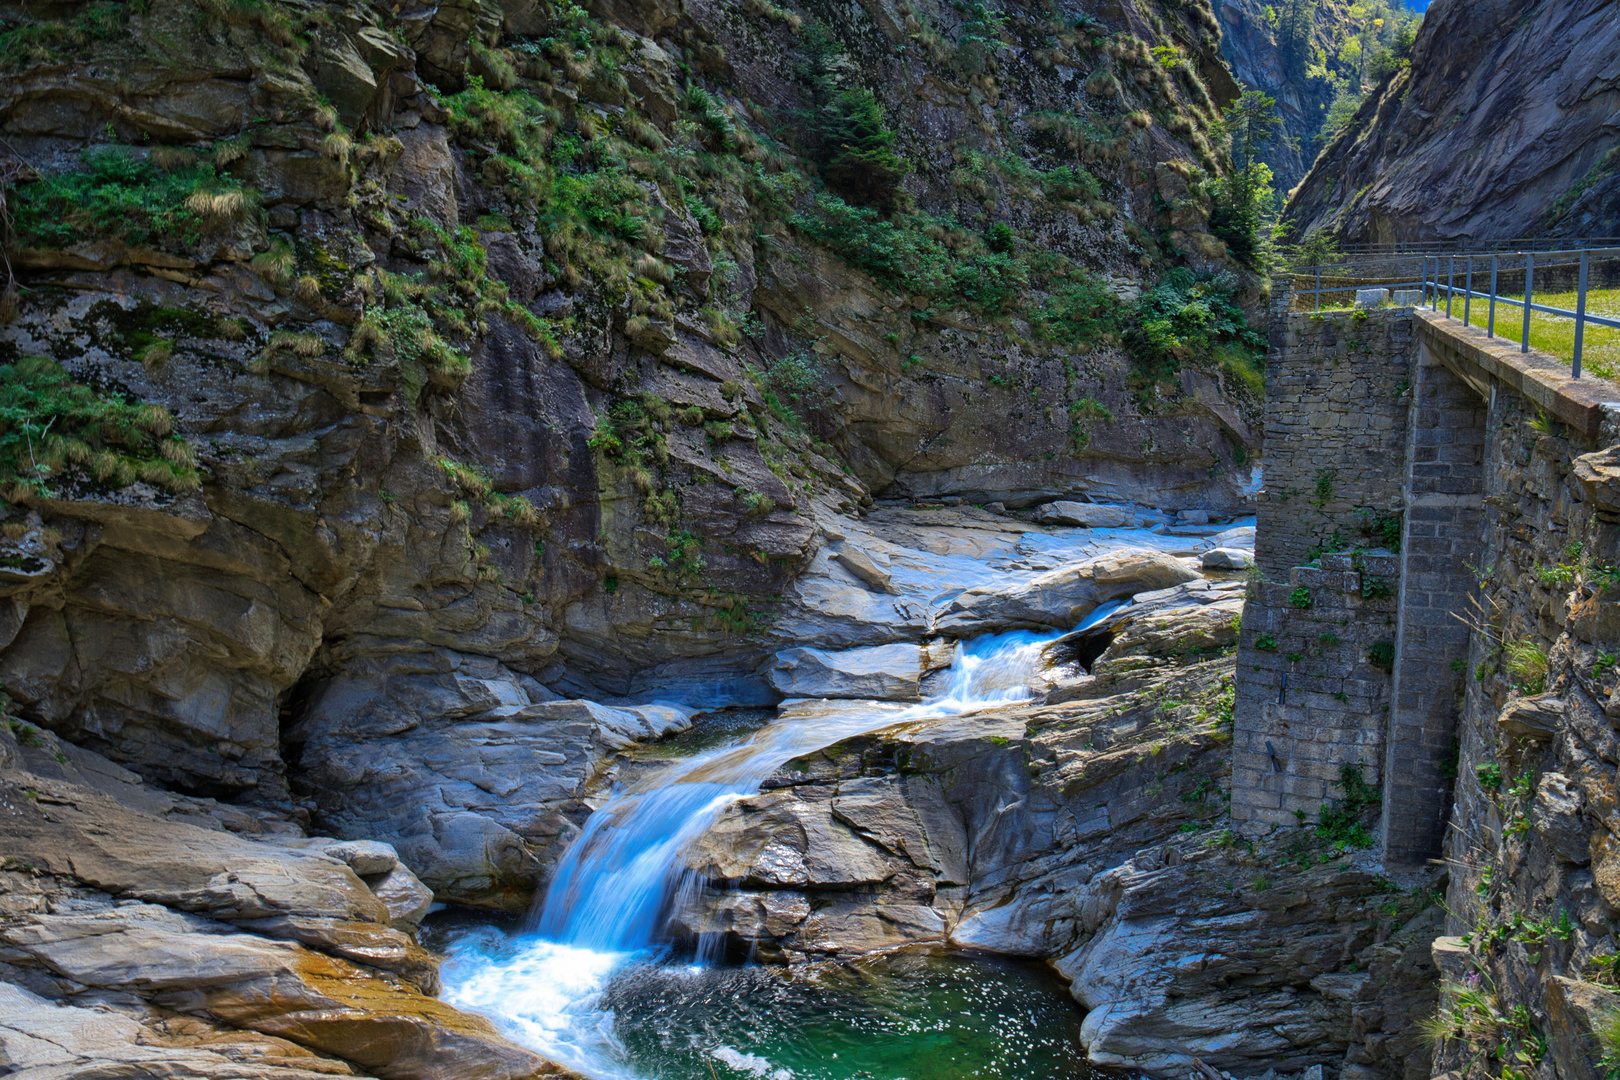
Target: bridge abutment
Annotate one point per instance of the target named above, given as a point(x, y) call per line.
point(1363, 625)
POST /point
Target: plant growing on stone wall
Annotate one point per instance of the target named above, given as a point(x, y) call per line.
point(1266, 643)
point(1504, 1037)
point(1339, 822)
point(1383, 529)
point(1324, 487)
point(1382, 655)
point(1300, 597)
point(1526, 661)
point(1375, 586)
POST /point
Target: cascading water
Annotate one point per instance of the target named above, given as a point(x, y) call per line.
point(607, 901)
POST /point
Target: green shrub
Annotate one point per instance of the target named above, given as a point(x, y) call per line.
point(905, 257)
point(120, 196)
point(23, 44)
point(1186, 317)
point(50, 422)
point(1082, 311)
point(1340, 821)
point(1382, 655)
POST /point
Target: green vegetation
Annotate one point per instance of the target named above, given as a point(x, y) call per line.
point(1382, 655)
point(1324, 487)
point(1082, 414)
point(844, 127)
point(1340, 822)
point(925, 257)
point(119, 195)
point(51, 424)
point(25, 43)
point(1184, 317)
point(1555, 334)
point(1244, 198)
point(1383, 529)
point(1300, 597)
point(1526, 661)
point(1376, 44)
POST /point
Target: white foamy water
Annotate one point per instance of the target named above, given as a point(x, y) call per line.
point(615, 886)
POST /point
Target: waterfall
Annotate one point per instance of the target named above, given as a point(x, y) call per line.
point(615, 885)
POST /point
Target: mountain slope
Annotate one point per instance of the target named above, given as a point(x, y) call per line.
point(1504, 126)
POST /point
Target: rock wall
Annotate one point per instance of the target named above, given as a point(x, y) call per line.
point(491, 374)
point(1497, 735)
point(1532, 893)
point(1468, 144)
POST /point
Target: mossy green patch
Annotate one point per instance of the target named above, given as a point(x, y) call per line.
point(51, 423)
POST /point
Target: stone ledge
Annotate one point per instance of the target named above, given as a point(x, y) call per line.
point(1540, 377)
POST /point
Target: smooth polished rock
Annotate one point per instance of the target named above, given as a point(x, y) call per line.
point(1086, 515)
point(1063, 597)
point(877, 673)
point(1223, 558)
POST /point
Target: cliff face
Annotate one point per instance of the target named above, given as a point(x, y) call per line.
point(1502, 127)
point(1249, 43)
point(466, 350)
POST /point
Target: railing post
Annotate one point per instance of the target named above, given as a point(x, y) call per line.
point(1451, 282)
point(1318, 288)
point(1490, 327)
point(1437, 283)
point(1529, 296)
point(1468, 291)
point(1580, 315)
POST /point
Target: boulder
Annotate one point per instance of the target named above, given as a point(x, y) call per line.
point(1224, 558)
point(878, 673)
point(1063, 597)
point(1599, 478)
point(333, 1006)
point(1086, 515)
point(861, 565)
point(1539, 717)
point(44, 1038)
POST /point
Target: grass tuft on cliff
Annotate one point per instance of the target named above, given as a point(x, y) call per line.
point(26, 43)
point(118, 195)
point(51, 423)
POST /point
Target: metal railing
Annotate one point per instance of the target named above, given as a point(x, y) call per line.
point(1432, 275)
point(1465, 245)
point(1583, 260)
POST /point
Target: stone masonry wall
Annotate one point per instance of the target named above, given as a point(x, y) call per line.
point(1337, 391)
point(1533, 840)
point(1497, 737)
point(1445, 490)
point(1312, 693)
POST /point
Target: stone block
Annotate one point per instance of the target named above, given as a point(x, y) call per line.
point(1407, 298)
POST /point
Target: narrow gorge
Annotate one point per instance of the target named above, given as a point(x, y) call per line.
point(661, 539)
